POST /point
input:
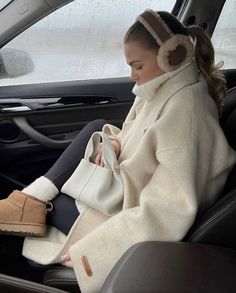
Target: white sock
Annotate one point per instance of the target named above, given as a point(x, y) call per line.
point(42, 188)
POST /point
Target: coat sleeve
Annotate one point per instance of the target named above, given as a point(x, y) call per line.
point(166, 211)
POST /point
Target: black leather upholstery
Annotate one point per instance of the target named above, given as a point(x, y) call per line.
point(218, 225)
point(228, 119)
point(63, 278)
point(173, 267)
point(15, 285)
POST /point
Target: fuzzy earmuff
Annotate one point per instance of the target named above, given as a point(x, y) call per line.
point(174, 52)
point(175, 49)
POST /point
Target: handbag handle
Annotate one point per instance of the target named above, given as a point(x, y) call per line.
point(109, 155)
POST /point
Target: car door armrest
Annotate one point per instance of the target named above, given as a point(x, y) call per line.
point(173, 267)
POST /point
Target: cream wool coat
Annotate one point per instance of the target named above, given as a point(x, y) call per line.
point(174, 160)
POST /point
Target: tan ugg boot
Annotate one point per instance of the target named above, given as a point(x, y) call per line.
point(22, 214)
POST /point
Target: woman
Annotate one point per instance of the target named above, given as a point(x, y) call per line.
point(173, 156)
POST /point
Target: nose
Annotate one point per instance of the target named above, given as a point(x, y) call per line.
point(133, 76)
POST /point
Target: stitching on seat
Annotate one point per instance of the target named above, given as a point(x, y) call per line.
point(211, 222)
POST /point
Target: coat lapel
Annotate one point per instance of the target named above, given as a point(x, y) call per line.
point(188, 76)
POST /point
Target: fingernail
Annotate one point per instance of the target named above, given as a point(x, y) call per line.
point(64, 257)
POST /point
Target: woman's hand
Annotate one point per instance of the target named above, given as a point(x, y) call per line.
point(66, 260)
point(116, 146)
point(99, 158)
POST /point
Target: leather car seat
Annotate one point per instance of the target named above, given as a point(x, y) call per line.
point(16, 285)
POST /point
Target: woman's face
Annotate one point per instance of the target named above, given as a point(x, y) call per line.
point(143, 62)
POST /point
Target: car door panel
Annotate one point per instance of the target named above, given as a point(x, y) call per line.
point(37, 122)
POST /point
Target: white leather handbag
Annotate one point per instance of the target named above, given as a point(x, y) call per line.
point(98, 187)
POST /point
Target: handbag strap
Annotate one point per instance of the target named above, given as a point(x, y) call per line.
point(109, 155)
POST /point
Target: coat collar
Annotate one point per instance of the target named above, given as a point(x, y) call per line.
point(148, 90)
point(188, 75)
point(171, 81)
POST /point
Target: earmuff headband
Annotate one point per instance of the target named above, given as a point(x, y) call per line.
point(155, 25)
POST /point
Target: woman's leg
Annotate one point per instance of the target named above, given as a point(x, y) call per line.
point(64, 211)
point(48, 186)
point(69, 160)
point(24, 211)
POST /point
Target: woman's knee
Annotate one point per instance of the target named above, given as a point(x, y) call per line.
point(97, 124)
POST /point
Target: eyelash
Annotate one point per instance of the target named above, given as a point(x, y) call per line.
point(139, 67)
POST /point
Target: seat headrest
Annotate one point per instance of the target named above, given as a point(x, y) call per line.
point(228, 118)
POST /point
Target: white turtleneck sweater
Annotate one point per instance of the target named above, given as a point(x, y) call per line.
point(174, 160)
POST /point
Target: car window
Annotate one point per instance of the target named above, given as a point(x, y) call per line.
point(4, 3)
point(224, 36)
point(82, 40)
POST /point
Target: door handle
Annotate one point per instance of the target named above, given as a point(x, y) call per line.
point(26, 128)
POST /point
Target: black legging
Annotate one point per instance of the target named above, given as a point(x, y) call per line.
point(65, 211)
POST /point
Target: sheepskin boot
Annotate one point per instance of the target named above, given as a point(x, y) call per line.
point(22, 214)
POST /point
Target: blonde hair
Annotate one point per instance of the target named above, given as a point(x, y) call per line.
point(205, 57)
point(138, 33)
point(204, 51)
